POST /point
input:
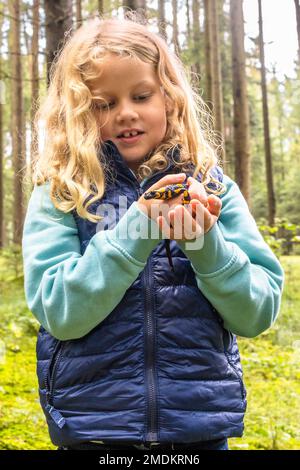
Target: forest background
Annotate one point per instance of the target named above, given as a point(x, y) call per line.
point(255, 104)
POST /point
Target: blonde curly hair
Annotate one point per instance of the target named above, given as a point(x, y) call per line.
point(69, 160)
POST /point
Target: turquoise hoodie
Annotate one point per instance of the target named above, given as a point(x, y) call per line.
point(236, 270)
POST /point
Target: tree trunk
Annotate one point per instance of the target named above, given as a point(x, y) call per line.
point(135, 5)
point(297, 6)
point(17, 121)
point(175, 28)
point(188, 22)
point(240, 99)
point(78, 14)
point(208, 54)
point(268, 153)
point(196, 36)
point(58, 21)
point(280, 114)
point(162, 27)
point(101, 7)
point(216, 75)
point(34, 79)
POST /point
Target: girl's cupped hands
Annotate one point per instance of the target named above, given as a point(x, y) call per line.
point(189, 222)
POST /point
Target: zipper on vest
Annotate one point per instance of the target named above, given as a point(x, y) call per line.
point(243, 391)
point(54, 413)
point(135, 184)
point(152, 432)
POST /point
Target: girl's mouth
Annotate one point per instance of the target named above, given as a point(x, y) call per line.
point(131, 140)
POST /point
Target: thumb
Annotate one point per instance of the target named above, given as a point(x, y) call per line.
point(214, 205)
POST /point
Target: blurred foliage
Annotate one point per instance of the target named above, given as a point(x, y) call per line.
point(271, 364)
point(12, 258)
point(22, 424)
point(283, 238)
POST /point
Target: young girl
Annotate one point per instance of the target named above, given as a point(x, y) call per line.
point(136, 348)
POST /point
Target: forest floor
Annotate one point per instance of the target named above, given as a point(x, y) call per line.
point(271, 364)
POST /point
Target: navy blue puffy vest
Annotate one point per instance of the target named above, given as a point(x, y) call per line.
point(160, 367)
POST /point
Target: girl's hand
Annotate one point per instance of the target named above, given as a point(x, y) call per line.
point(211, 202)
point(152, 207)
point(202, 213)
point(197, 191)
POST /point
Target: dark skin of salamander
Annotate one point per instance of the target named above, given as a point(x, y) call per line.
point(169, 192)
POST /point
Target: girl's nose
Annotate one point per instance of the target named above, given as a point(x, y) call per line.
point(127, 111)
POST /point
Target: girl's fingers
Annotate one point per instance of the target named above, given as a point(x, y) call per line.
point(187, 223)
point(168, 179)
point(197, 210)
point(214, 205)
point(174, 229)
point(184, 225)
point(203, 218)
point(152, 206)
point(171, 216)
point(197, 190)
point(165, 228)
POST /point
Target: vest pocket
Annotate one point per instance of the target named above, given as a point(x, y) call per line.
point(237, 374)
point(228, 340)
point(50, 384)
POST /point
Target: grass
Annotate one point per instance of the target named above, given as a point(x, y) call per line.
point(271, 364)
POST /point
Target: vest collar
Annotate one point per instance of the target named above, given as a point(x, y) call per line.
point(113, 162)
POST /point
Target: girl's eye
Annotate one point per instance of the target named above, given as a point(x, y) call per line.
point(105, 106)
point(143, 97)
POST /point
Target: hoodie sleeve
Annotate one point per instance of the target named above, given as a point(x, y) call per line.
point(236, 270)
point(70, 293)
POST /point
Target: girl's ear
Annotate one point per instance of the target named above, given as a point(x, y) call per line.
point(168, 102)
point(169, 107)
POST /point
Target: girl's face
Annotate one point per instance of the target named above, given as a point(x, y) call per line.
point(135, 101)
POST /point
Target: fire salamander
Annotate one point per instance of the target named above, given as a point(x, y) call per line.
point(169, 192)
point(173, 190)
